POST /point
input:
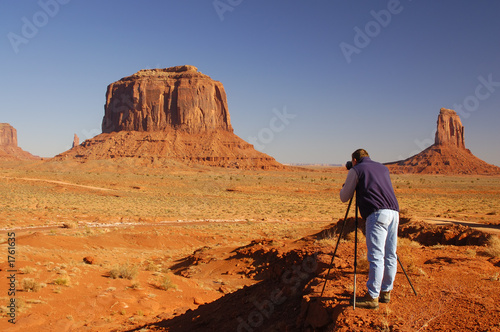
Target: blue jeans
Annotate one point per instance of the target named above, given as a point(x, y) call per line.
point(382, 241)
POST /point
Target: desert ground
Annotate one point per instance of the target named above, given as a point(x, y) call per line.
point(119, 246)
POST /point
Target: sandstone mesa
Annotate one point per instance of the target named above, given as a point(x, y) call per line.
point(176, 98)
point(173, 113)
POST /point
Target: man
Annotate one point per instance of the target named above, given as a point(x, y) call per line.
point(379, 207)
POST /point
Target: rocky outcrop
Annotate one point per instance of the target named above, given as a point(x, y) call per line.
point(76, 141)
point(166, 114)
point(217, 148)
point(8, 135)
point(450, 131)
point(447, 155)
point(8, 144)
point(177, 98)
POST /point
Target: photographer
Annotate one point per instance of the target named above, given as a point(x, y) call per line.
point(379, 207)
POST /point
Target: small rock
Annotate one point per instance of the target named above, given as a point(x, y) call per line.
point(89, 260)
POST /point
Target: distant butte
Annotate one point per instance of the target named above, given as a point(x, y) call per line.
point(448, 154)
point(9, 150)
point(173, 113)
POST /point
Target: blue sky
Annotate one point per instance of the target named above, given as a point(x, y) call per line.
point(307, 81)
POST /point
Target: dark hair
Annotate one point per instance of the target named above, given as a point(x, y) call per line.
point(359, 153)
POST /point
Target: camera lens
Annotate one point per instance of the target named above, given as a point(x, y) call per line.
point(348, 165)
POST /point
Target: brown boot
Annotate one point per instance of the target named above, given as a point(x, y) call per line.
point(366, 302)
point(385, 297)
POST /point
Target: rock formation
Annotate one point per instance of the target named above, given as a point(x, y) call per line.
point(8, 135)
point(173, 113)
point(76, 141)
point(177, 98)
point(8, 144)
point(448, 154)
point(450, 131)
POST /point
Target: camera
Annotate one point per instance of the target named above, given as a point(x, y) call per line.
point(348, 165)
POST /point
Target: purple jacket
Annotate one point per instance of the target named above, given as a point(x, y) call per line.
point(374, 189)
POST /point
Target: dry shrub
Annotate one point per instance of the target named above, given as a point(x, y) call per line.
point(124, 271)
point(411, 268)
point(62, 281)
point(70, 224)
point(164, 283)
point(27, 270)
point(30, 285)
point(151, 266)
point(135, 285)
point(493, 249)
point(350, 237)
point(405, 242)
point(327, 242)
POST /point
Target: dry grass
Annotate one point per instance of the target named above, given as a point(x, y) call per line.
point(351, 237)
point(124, 271)
point(201, 193)
point(70, 225)
point(62, 281)
point(164, 283)
point(27, 270)
point(30, 285)
point(404, 242)
point(493, 249)
point(151, 266)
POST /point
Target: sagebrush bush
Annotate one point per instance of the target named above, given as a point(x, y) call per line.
point(164, 283)
point(30, 285)
point(27, 270)
point(62, 281)
point(493, 249)
point(124, 271)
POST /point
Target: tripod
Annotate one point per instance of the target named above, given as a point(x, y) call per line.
point(355, 253)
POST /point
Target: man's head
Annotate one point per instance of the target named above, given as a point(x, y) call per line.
point(358, 154)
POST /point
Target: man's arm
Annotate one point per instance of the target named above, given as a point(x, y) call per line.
point(349, 187)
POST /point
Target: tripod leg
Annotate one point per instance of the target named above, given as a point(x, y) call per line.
point(401, 264)
point(336, 246)
point(355, 252)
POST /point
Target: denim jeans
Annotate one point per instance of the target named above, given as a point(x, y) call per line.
point(381, 241)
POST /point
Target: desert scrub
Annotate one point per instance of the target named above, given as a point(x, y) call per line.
point(151, 266)
point(30, 285)
point(135, 285)
point(70, 224)
point(62, 281)
point(327, 242)
point(493, 248)
point(164, 283)
point(124, 271)
point(27, 270)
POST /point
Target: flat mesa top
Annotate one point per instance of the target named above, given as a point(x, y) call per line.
point(446, 111)
point(166, 73)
